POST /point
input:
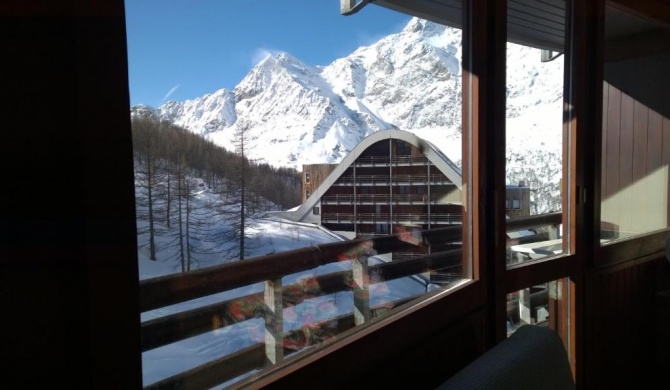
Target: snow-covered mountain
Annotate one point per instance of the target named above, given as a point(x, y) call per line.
point(295, 113)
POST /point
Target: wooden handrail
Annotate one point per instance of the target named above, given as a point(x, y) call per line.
point(171, 328)
point(176, 288)
point(174, 327)
point(250, 358)
point(534, 221)
point(171, 289)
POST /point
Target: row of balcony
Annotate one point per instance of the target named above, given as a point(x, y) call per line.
point(380, 161)
point(377, 180)
point(395, 218)
point(435, 198)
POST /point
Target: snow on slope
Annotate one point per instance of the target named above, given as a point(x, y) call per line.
point(296, 114)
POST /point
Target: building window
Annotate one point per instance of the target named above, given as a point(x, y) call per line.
point(306, 177)
point(307, 194)
point(315, 211)
point(403, 149)
point(516, 204)
point(381, 228)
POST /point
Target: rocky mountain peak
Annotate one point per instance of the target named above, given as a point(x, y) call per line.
point(296, 114)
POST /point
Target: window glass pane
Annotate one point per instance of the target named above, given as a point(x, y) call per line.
point(534, 129)
point(546, 304)
point(636, 128)
point(231, 137)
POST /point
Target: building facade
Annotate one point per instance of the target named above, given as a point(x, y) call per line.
point(312, 176)
point(392, 181)
point(517, 200)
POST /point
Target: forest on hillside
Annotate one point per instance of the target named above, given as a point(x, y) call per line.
point(195, 200)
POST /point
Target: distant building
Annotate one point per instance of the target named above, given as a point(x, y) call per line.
point(517, 200)
point(312, 177)
point(391, 181)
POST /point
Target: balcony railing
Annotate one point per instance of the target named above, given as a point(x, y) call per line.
point(395, 218)
point(434, 198)
point(374, 161)
point(377, 180)
point(276, 297)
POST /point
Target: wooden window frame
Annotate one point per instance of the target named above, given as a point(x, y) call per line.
point(484, 239)
point(582, 124)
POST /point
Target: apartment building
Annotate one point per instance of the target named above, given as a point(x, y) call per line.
point(392, 181)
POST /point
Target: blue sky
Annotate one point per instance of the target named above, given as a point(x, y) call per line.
point(180, 49)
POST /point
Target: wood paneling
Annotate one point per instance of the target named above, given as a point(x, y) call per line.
point(635, 145)
point(624, 160)
point(621, 328)
point(531, 23)
point(313, 175)
point(640, 169)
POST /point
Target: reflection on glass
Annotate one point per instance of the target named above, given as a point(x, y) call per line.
point(542, 305)
point(534, 129)
point(636, 128)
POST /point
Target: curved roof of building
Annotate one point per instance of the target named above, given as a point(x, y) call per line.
point(434, 155)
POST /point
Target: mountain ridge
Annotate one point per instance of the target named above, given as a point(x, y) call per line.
point(295, 113)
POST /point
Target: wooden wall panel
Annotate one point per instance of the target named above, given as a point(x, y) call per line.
point(621, 328)
point(317, 174)
point(625, 166)
point(665, 154)
point(656, 189)
point(636, 145)
point(666, 132)
point(603, 167)
point(611, 140)
point(639, 218)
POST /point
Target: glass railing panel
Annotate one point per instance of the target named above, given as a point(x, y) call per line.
point(535, 120)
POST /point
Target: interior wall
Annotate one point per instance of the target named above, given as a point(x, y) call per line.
point(317, 174)
point(622, 327)
point(68, 255)
point(636, 144)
